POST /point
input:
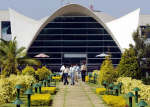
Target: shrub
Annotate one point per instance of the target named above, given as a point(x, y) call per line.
point(114, 101)
point(51, 90)
point(7, 86)
point(129, 84)
point(107, 71)
point(28, 70)
point(57, 78)
point(86, 78)
point(42, 73)
point(40, 99)
point(128, 66)
point(100, 90)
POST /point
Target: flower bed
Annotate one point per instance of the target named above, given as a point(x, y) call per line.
point(40, 99)
point(86, 78)
point(129, 84)
point(51, 90)
point(7, 86)
point(100, 90)
point(57, 78)
point(114, 101)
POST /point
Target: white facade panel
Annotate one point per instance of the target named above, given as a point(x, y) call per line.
point(124, 27)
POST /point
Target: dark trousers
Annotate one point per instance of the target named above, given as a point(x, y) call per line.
point(83, 73)
point(66, 79)
point(62, 78)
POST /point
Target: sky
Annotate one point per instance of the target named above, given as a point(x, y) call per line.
point(38, 9)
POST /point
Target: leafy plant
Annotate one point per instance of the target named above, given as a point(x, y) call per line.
point(107, 71)
point(28, 70)
point(129, 84)
point(7, 86)
point(114, 101)
point(100, 90)
point(40, 99)
point(128, 66)
point(11, 56)
point(43, 73)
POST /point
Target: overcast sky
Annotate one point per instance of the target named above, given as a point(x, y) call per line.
point(40, 8)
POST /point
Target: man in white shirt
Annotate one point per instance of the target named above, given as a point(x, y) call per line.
point(62, 69)
point(83, 71)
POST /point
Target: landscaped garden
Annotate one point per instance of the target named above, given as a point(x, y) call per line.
point(127, 84)
point(29, 86)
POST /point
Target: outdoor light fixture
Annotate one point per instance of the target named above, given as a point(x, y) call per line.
point(102, 55)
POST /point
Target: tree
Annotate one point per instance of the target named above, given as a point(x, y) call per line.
point(142, 48)
point(128, 66)
point(107, 71)
point(11, 57)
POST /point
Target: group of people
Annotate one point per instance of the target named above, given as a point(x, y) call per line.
point(74, 71)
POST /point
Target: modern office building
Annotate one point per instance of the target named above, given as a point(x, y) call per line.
point(72, 34)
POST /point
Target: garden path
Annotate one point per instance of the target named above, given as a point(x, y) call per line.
point(79, 95)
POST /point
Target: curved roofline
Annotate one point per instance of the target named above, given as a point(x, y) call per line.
point(71, 8)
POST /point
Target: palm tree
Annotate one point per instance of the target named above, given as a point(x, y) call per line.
point(11, 57)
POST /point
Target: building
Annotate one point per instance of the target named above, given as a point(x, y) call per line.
point(72, 34)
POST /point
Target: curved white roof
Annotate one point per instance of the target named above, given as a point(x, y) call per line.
point(26, 29)
point(124, 27)
point(23, 28)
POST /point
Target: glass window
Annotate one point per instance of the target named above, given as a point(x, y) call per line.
point(6, 30)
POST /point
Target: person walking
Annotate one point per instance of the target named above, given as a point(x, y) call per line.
point(72, 74)
point(66, 71)
point(62, 69)
point(83, 71)
point(77, 71)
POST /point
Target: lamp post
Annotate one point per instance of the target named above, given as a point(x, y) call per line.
point(120, 86)
point(136, 89)
point(111, 88)
point(36, 87)
point(130, 95)
point(116, 88)
point(18, 87)
point(105, 84)
point(18, 102)
point(40, 85)
point(29, 92)
point(44, 81)
point(142, 103)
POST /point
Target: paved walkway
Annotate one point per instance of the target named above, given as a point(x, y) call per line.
point(79, 95)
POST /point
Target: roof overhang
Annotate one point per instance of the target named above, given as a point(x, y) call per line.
point(69, 9)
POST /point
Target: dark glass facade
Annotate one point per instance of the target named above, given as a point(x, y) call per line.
point(6, 30)
point(74, 39)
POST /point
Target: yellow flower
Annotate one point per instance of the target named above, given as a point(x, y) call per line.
point(49, 89)
point(114, 101)
point(100, 90)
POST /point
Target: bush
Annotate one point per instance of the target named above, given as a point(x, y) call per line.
point(7, 86)
point(129, 84)
point(42, 73)
point(100, 90)
point(114, 101)
point(107, 71)
point(28, 70)
point(128, 66)
point(86, 78)
point(40, 99)
point(51, 90)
